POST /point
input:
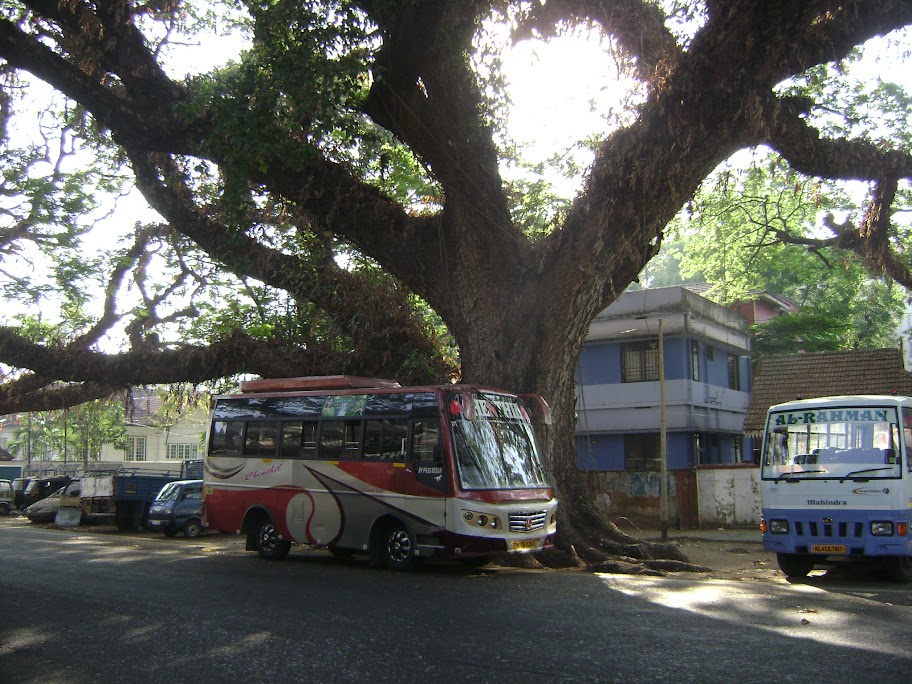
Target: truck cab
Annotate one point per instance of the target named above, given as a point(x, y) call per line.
point(178, 508)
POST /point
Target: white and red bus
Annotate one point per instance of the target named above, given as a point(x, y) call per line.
point(359, 465)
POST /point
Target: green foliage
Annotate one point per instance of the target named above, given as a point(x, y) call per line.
point(298, 87)
point(72, 434)
point(732, 237)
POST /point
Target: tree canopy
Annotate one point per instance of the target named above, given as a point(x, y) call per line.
point(333, 200)
point(738, 235)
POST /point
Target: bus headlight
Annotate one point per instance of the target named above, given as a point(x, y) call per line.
point(779, 526)
point(481, 519)
point(881, 528)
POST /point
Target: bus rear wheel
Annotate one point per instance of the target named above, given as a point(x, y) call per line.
point(795, 564)
point(397, 549)
point(899, 568)
point(269, 545)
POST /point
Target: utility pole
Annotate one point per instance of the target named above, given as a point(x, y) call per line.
point(663, 445)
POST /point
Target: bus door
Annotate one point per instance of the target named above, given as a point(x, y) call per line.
point(421, 480)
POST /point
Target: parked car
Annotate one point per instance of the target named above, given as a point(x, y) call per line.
point(7, 498)
point(179, 507)
point(46, 509)
point(32, 489)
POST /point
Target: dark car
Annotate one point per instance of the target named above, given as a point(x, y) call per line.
point(179, 507)
point(29, 490)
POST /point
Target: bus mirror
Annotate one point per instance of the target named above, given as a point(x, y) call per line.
point(542, 406)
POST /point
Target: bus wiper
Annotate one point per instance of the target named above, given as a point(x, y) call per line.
point(865, 470)
point(793, 477)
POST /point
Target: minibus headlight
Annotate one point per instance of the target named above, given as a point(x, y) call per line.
point(481, 519)
point(881, 528)
point(779, 526)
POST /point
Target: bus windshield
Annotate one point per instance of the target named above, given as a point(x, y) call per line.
point(496, 448)
point(857, 442)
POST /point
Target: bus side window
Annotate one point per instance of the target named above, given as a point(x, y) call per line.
point(226, 438)
point(384, 439)
point(262, 439)
point(340, 440)
point(309, 440)
point(426, 441)
point(291, 439)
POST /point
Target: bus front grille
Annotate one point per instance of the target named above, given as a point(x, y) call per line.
point(528, 522)
point(827, 530)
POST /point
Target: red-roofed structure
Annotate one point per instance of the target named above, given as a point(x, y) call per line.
point(803, 376)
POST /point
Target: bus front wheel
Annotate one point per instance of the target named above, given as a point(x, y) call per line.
point(269, 545)
point(899, 568)
point(795, 564)
point(397, 549)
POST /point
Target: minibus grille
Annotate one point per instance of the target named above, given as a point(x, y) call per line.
point(814, 528)
point(528, 522)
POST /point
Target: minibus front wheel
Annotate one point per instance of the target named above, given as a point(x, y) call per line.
point(899, 568)
point(795, 564)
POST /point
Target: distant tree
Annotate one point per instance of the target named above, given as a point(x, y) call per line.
point(72, 434)
point(745, 232)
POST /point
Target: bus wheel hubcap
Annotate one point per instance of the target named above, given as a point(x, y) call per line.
point(400, 547)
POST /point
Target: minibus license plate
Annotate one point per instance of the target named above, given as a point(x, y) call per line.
point(828, 548)
point(525, 544)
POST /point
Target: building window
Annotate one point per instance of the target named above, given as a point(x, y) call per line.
point(642, 452)
point(182, 452)
point(737, 449)
point(640, 361)
point(710, 354)
point(699, 449)
point(734, 372)
point(137, 449)
point(695, 360)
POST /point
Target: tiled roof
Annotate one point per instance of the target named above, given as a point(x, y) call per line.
point(777, 379)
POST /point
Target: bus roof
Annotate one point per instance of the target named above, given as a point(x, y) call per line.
point(841, 400)
point(316, 382)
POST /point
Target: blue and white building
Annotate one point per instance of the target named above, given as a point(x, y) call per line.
point(707, 379)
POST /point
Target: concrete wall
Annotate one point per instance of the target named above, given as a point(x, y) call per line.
point(729, 496)
point(710, 496)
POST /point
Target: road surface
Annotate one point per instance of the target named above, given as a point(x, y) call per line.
point(80, 607)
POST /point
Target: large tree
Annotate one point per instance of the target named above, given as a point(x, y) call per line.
point(372, 126)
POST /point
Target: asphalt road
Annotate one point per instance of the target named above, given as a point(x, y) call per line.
point(106, 608)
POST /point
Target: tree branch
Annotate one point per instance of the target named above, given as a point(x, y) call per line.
point(235, 354)
point(806, 151)
point(639, 28)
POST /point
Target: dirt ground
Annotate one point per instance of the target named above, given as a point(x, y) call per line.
point(730, 559)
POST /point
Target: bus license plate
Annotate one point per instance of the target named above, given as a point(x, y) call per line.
point(829, 548)
point(525, 544)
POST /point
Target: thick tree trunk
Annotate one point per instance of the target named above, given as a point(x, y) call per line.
point(542, 358)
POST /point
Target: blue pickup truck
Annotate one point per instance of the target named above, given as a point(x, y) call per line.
point(128, 492)
point(178, 508)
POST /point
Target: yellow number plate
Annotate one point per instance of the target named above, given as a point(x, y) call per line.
point(525, 544)
point(829, 548)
